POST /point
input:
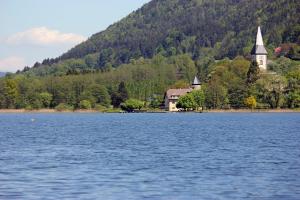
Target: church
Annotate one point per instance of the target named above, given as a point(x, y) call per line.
point(259, 52)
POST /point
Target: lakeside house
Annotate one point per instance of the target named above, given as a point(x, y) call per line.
point(172, 95)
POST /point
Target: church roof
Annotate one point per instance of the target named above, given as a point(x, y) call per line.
point(259, 47)
point(196, 81)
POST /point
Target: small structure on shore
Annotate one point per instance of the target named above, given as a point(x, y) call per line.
point(172, 95)
point(259, 52)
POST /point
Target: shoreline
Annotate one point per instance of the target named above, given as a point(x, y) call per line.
point(160, 111)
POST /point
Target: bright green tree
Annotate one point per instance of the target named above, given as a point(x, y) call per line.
point(132, 104)
point(85, 104)
point(186, 102)
point(199, 98)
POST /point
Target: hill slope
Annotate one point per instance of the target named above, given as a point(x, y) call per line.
point(218, 28)
point(2, 74)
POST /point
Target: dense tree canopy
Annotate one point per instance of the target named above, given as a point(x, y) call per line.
point(164, 45)
point(201, 28)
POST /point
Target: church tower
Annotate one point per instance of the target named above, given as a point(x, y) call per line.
point(259, 52)
point(196, 84)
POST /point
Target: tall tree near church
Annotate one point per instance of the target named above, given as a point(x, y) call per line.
point(253, 73)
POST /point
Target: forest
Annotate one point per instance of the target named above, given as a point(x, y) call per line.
point(163, 45)
point(225, 84)
point(200, 28)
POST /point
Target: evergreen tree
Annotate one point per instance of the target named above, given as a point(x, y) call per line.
point(123, 91)
point(253, 73)
point(119, 96)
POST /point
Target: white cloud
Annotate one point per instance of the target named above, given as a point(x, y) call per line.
point(44, 36)
point(11, 64)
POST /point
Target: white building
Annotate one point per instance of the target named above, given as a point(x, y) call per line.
point(259, 52)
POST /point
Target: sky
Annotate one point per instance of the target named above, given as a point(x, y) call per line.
point(32, 30)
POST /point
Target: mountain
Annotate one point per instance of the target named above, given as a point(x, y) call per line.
point(2, 74)
point(215, 28)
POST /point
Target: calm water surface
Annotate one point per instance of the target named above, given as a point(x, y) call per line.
point(150, 156)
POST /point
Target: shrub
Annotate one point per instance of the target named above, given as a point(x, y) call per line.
point(64, 107)
point(85, 104)
point(132, 104)
point(250, 102)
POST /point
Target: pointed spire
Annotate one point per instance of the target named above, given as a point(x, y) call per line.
point(196, 81)
point(259, 38)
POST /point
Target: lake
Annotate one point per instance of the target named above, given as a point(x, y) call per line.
point(150, 156)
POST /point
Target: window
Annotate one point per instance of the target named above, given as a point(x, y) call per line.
point(261, 60)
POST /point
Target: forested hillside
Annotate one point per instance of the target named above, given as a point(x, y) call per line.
point(164, 45)
point(201, 28)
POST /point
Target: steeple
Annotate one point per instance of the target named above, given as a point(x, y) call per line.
point(259, 39)
point(259, 52)
point(196, 84)
point(259, 48)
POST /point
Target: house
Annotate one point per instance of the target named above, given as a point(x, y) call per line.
point(259, 52)
point(172, 95)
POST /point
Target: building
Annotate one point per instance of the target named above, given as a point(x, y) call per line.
point(259, 52)
point(172, 95)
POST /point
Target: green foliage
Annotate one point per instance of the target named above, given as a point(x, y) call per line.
point(201, 29)
point(9, 93)
point(45, 99)
point(250, 102)
point(180, 84)
point(199, 98)
point(186, 102)
point(85, 104)
point(119, 96)
point(132, 104)
point(253, 73)
point(224, 85)
point(155, 101)
point(64, 107)
point(270, 89)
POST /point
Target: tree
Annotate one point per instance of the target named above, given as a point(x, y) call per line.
point(216, 95)
point(253, 73)
point(271, 89)
point(100, 94)
point(63, 107)
point(45, 99)
point(132, 104)
point(120, 96)
point(293, 96)
point(10, 93)
point(85, 104)
point(123, 91)
point(250, 102)
point(186, 102)
point(294, 99)
point(199, 98)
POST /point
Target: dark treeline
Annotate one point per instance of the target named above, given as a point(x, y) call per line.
point(226, 84)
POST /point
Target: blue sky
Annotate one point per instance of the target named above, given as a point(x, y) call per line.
point(32, 30)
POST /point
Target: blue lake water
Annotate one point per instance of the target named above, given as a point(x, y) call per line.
point(150, 156)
